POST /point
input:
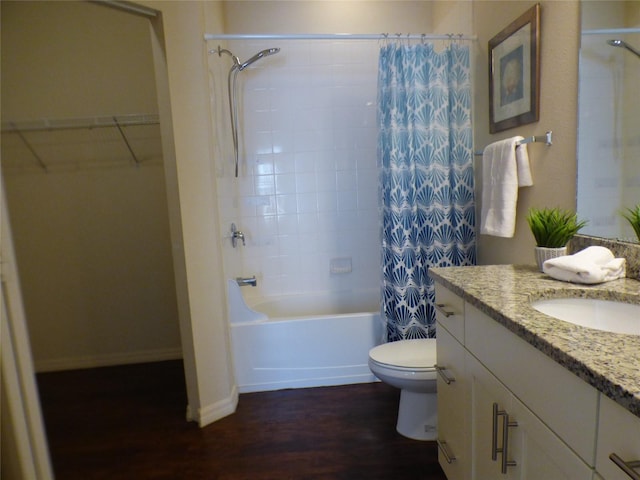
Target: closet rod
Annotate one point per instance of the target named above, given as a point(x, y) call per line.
point(338, 36)
point(610, 31)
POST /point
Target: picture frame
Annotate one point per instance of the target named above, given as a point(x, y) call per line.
point(514, 73)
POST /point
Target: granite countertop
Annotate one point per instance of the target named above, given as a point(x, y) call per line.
point(610, 362)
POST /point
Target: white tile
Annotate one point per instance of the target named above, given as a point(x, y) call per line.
point(287, 224)
point(347, 201)
point(347, 180)
point(267, 225)
point(285, 183)
point(263, 164)
point(284, 163)
point(286, 204)
point(327, 201)
point(307, 202)
point(307, 223)
point(264, 185)
point(305, 182)
point(305, 161)
point(326, 181)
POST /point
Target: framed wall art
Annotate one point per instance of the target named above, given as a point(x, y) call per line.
point(514, 73)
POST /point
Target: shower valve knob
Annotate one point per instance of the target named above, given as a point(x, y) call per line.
point(236, 235)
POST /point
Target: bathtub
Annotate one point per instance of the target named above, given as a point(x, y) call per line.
point(299, 341)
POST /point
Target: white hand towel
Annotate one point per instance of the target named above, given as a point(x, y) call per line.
point(591, 265)
point(505, 167)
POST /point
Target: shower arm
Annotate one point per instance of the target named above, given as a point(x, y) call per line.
point(232, 93)
point(233, 112)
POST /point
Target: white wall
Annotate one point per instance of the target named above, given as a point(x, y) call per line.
point(92, 238)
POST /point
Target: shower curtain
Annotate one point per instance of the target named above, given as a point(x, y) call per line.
point(425, 158)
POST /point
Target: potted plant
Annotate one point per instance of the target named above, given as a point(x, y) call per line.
point(552, 228)
point(632, 215)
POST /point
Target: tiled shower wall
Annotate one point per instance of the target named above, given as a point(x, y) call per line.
point(306, 195)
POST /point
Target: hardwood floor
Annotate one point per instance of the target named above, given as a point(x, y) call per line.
point(128, 423)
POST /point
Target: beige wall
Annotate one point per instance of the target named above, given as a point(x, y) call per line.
point(553, 168)
point(193, 213)
point(327, 16)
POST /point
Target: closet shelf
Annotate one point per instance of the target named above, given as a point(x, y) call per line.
point(81, 142)
point(46, 124)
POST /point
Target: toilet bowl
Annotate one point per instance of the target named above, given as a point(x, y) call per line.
point(410, 366)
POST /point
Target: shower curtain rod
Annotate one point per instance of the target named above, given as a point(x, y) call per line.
point(610, 31)
point(339, 36)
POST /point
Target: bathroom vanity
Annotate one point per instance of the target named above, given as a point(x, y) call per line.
point(523, 395)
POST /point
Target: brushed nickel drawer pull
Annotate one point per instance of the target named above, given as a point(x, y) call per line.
point(494, 433)
point(442, 372)
point(627, 467)
point(506, 423)
point(440, 308)
point(444, 448)
point(504, 451)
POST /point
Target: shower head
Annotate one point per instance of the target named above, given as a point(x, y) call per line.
point(623, 44)
point(258, 56)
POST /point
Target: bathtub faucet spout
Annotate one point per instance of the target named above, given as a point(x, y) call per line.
point(243, 282)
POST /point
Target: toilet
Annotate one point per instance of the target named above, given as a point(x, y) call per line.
point(410, 366)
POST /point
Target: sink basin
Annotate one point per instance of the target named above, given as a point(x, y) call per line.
point(610, 316)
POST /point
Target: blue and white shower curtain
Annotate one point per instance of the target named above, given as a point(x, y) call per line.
point(425, 158)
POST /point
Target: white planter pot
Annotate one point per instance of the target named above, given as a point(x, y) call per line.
point(544, 253)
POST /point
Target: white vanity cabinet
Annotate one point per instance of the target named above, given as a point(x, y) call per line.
point(504, 379)
point(618, 434)
point(454, 441)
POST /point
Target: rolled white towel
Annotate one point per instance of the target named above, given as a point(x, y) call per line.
point(591, 265)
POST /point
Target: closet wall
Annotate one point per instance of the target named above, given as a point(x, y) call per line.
point(91, 229)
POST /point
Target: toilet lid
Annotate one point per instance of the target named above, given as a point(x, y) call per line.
point(419, 353)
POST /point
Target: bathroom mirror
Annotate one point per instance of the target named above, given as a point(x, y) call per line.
point(608, 176)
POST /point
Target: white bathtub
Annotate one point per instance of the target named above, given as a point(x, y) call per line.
point(303, 341)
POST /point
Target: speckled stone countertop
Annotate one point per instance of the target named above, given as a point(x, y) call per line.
point(610, 362)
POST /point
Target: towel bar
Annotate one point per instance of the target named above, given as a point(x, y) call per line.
point(546, 138)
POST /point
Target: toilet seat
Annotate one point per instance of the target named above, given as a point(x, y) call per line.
point(417, 355)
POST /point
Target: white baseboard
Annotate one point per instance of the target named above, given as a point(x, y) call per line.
point(215, 411)
point(107, 360)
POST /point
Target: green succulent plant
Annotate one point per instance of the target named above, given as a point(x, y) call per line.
point(632, 215)
point(553, 227)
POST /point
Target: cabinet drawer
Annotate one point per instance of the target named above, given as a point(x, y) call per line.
point(450, 312)
point(562, 400)
point(619, 433)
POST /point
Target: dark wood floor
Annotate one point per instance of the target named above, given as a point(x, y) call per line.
point(128, 423)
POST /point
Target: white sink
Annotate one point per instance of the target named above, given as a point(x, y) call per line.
point(610, 316)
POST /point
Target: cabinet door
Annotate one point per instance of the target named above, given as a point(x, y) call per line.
point(539, 452)
point(453, 408)
point(533, 451)
point(485, 392)
point(619, 434)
